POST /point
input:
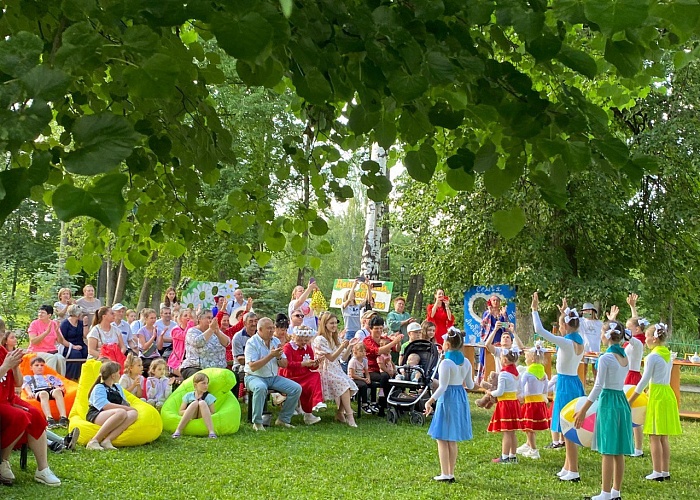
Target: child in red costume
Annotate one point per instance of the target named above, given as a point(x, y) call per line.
point(302, 368)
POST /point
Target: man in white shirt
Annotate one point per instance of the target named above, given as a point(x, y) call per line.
point(236, 303)
point(130, 340)
point(164, 326)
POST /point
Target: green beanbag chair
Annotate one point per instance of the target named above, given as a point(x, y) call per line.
point(226, 418)
point(147, 427)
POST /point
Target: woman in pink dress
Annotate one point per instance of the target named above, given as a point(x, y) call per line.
point(337, 385)
point(302, 369)
point(44, 334)
point(178, 334)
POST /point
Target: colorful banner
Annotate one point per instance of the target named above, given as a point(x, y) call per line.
point(472, 317)
point(381, 292)
point(202, 293)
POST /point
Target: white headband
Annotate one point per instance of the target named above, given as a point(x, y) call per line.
point(570, 314)
point(303, 331)
point(611, 330)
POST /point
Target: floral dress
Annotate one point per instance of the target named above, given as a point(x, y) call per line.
point(334, 380)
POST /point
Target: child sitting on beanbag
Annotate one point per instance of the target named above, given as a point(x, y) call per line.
point(44, 388)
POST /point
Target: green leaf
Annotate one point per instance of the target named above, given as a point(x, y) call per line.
point(175, 248)
point(421, 164)
point(262, 258)
point(486, 157)
point(91, 263)
point(625, 56)
point(498, 181)
point(275, 242)
point(248, 38)
point(298, 243)
point(46, 83)
point(459, 180)
point(223, 226)
point(616, 15)
point(509, 222)
point(464, 159)
point(102, 142)
point(385, 133)
point(442, 115)
point(19, 53)
point(378, 186)
point(578, 61)
point(324, 247)
point(137, 259)
point(313, 86)
point(102, 201)
point(73, 265)
point(155, 78)
point(301, 261)
point(287, 11)
point(319, 227)
point(407, 87)
point(613, 149)
point(544, 47)
point(315, 262)
point(268, 73)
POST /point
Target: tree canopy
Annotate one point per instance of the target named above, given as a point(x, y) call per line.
point(109, 107)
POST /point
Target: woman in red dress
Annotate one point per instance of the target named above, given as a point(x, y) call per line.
point(302, 368)
point(440, 314)
point(20, 423)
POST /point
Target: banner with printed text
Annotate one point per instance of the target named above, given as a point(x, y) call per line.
point(381, 292)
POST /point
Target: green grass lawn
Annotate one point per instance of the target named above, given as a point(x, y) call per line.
point(331, 460)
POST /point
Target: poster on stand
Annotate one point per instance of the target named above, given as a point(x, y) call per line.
point(202, 293)
point(381, 292)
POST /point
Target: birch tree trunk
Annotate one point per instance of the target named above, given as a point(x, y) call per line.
point(144, 295)
point(177, 273)
point(371, 250)
point(101, 290)
point(112, 272)
point(122, 278)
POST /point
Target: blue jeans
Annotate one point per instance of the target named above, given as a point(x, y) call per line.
point(259, 387)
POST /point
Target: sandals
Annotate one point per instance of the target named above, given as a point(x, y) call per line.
point(213, 435)
point(176, 434)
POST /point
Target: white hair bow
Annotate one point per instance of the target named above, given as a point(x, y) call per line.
point(613, 328)
point(643, 322)
point(659, 327)
point(570, 314)
point(515, 350)
point(303, 331)
point(453, 332)
point(538, 348)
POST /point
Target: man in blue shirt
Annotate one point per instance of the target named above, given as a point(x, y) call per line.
point(263, 357)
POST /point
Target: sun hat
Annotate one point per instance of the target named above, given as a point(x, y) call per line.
point(587, 306)
point(118, 306)
point(413, 327)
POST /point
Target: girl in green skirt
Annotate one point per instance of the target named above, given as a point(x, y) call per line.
point(612, 434)
point(662, 418)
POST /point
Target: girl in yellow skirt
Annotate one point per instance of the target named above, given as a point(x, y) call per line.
point(662, 418)
point(534, 412)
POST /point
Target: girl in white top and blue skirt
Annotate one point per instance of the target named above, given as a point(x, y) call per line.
point(612, 434)
point(569, 386)
point(452, 421)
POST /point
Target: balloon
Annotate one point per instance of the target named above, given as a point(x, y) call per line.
point(305, 309)
point(639, 407)
point(584, 435)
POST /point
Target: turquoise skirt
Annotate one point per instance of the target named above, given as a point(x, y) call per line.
point(613, 424)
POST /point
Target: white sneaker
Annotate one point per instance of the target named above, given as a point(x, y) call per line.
point(533, 454)
point(311, 419)
point(5, 471)
point(654, 476)
point(637, 453)
point(521, 450)
point(46, 477)
point(320, 406)
point(562, 472)
point(573, 477)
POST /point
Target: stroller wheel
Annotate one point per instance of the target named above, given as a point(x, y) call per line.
point(392, 416)
point(417, 418)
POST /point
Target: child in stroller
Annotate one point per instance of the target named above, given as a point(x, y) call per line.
point(422, 359)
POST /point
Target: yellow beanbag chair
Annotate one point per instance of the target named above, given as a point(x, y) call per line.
point(147, 427)
point(226, 418)
point(68, 396)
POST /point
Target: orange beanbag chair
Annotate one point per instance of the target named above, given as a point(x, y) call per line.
point(68, 396)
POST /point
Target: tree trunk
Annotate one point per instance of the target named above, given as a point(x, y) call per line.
point(121, 282)
point(143, 296)
point(306, 202)
point(157, 294)
point(101, 291)
point(371, 250)
point(523, 324)
point(411, 297)
point(177, 272)
point(63, 277)
point(15, 271)
point(112, 272)
point(418, 311)
point(669, 320)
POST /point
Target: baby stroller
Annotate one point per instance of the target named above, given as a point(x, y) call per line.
point(399, 401)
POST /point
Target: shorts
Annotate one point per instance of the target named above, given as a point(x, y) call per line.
point(92, 414)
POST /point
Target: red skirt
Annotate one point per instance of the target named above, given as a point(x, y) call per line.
point(535, 417)
point(633, 378)
point(311, 390)
point(19, 419)
point(506, 417)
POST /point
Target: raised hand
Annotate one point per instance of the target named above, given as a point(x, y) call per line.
point(535, 302)
point(614, 311)
point(563, 305)
point(632, 299)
